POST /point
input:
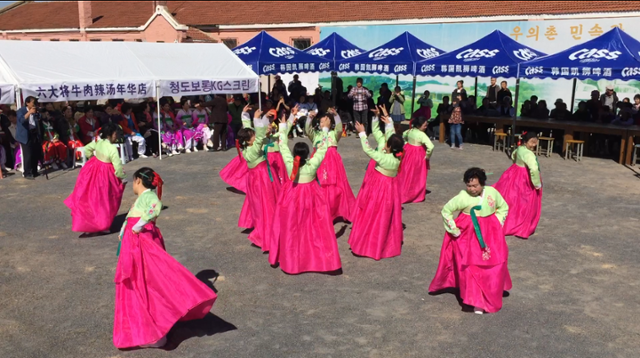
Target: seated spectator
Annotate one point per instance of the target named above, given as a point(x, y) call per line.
point(542, 112)
point(581, 114)
point(55, 151)
point(525, 110)
point(469, 106)
point(89, 124)
point(625, 118)
point(487, 109)
point(635, 107)
point(560, 113)
point(131, 132)
point(626, 100)
point(309, 105)
point(506, 109)
point(606, 116)
point(534, 104)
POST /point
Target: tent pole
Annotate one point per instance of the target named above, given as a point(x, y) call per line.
point(397, 80)
point(269, 87)
point(413, 96)
point(515, 112)
point(159, 123)
point(333, 94)
point(259, 94)
point(475, 90)
point(573, 93)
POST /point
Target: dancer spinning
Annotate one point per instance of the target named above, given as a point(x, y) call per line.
point(521, 188)
point(97, 195)
point(412, 178)
point(304, 239)
point(331, 174)
point(377, 218)
point(153, 290)
point(235, 172)
point(276, 167)
point(261, 196)
point(474, 251)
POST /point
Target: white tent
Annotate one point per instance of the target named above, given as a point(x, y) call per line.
point(8, 85)
point(188, 69)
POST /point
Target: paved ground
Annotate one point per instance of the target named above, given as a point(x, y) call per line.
point(575, 290)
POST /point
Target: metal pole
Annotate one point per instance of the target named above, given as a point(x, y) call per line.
point(573, 93)
point(515, 112)
point(413, 96)
point(259, 94)
point(159, 123)
point(397, 80)
point(333, 94)
point(269, 86)
point(475, 91)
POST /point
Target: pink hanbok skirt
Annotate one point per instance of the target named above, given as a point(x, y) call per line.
point(462, 265)
point(261, 200)
point(412, 177)
point(278, 171)
point(153, 290)
point(335, 185)
point(96, 198)
point(235, 173)
point(304, 238)
point(525, 202)
point(377, 218)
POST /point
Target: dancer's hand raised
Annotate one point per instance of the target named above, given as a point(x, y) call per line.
point(257, 114)
point(359, 127)
point(246, 108)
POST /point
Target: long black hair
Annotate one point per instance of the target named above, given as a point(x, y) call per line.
point(475, 173)
point(301, 150)
point(244, 136)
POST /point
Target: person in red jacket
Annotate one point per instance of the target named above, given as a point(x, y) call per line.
point(89, 126)
point(131, 132)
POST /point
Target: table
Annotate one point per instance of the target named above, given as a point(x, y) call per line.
point(569, 127)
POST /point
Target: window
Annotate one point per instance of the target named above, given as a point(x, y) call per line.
point(35, 39)
point(302, 43)
point(95, 40)
point(54, 39)
point(230, 43)
point(160, 42)
point(74, 40)
point(138, 40)
point(117, 40)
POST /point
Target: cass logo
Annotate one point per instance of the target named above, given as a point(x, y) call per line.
point(382, 53)
point(349, 53)
point(474, 55)
point(244, 50)
point(400, 68)
point(324, 66)
point(320, 52)
point(630, 71)
point(427, 52)
point(538, 70)
point(427, 68)
point(282, 52)
point(344, 66)
point(586, 55)
point(524, 54)
point(500, 69)
point(268, 68)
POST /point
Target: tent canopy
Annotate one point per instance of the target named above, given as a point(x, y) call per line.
point(493, 55)
point(612, 55)
point(108, 70)
point(334, 48)
point(397, 56)
point(188, 69)
point(267, 56)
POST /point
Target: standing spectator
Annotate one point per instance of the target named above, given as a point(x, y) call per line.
point(385, 97)
point(29, 135)
point(594, 106)
point(459, 91)
point(609, 99)
point(219, 119)
point(492, 93)
point(503, 92)
point(359, 95)
point(235, 110)
point(456, 123)
point(326, 102)
point(397, 108)
point(295, 87)
point(281, 88)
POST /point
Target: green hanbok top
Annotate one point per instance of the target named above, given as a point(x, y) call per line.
point(490, 200)
point(386, 163)
point(105, 152)
point(524, 157)
point(415, 136)
point(307, 172)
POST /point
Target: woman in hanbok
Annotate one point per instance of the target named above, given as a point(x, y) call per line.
point(170, 129)
point(521, 187)
point(377, 218)
point(153, 290)
point(73, 133)
point(331, 173)
point(189, 134)
point(412, 178)
point(261, 198)
point(235, 172)
point(200, 124)
point(474, 251)
point(304, 238)
point(276, 168)
point(97, 195)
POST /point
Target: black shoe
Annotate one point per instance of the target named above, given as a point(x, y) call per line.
point(29, 177)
